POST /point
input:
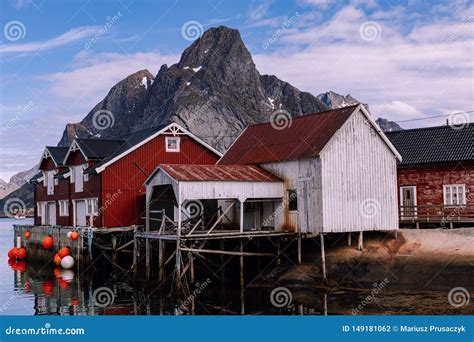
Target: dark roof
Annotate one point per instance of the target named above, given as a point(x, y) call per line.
point(57, 153)
point(128, 141)
point(305, 137)
point(98, 149)
point(34, 179)
point(442, 144)
point(238, 173)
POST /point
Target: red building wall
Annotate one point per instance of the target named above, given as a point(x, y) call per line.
point(122, 182)
point(429, 181)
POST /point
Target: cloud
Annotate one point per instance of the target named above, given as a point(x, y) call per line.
point(258, 10)
point(68, 37)
point(93, 75)
point(407, 72)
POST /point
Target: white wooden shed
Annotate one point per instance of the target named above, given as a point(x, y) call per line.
point(339, 164)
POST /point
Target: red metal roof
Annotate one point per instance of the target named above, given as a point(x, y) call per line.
point(239, 173)
point(305, 137)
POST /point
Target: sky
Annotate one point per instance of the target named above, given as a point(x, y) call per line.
point(406, 59)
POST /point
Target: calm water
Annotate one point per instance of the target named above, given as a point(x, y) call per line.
point(103, 290)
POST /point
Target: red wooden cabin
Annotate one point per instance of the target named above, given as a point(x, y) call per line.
point(100, 181)
point(436, 175)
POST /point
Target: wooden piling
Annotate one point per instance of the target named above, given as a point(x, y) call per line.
point(161, 257)
point(361, 241)
point(242, 284)
point(349, 239)
point(299, 248)
point(323, 255)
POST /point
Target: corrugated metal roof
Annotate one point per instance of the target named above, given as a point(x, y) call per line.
point(239, 173)
point(432, 145)
point(305, 137)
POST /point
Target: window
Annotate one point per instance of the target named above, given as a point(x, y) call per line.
point(92, 207)
point(64, 208)
point(56, 181)
point(39, 209)
point(172, 144)
point(49, 182)
point(454, 194)
point(292, 200)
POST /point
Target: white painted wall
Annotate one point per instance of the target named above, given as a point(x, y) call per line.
point(359, 178)
point(304, 176)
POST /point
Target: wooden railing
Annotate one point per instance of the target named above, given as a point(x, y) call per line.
point(436, 213)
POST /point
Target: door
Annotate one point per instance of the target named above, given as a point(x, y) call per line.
point(51, 214)
point(81, 213)
point(408, 201)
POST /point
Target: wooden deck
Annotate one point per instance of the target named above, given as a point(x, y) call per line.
point(220, 234)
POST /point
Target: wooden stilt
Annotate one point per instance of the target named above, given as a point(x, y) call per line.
point(349, 239)
point(147, 240)
point(325, 299)
point(242, 284)
point(114, 248)
point(161, 260)
point(361, 241)
point(417, 225)
point(135, 251)
point(178, 250)
point(191, 267)
point(323, 255)
point(299, 248)
point(278, 251)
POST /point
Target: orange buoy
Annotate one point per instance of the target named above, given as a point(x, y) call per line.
point(20, 266)
point(65, 251)
point(48, 287)
point(47, 242)
point(57, 260)
point(21, 253)
point(58, 271)
point(64, 284)
point(12, 253)
point(75, 301)
point(27, 234)
point(74, 235)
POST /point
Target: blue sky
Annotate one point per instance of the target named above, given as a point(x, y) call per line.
point(406, 59)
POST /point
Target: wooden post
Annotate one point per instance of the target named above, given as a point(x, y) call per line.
point(161, 265)
point(349, 239)
point(299, 248)
point(135, 251)
point(361, 241)
point(241, 216)
point(242, 284)
point(278, 251)
point(323, 255)
point(147, 241)
point(178, 248)
point(191, 266)
point(114, 247)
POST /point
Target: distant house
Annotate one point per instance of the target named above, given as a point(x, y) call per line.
point(436, 176)
point(100, 181)
point(327, 172)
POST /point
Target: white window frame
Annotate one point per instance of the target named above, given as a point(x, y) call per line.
point(178, 144)
point(94, 203)
point(39, 209)
point(49, 182)
point(71, 173)
point(451, 187)
point(63, 207)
